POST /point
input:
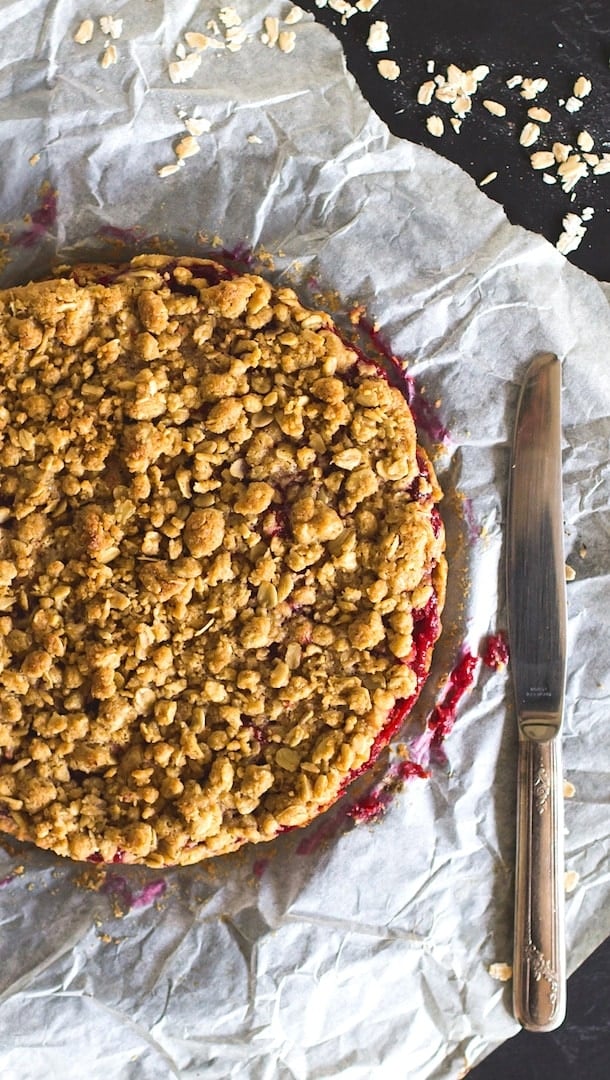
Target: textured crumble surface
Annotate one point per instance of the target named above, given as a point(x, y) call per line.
point(221, 562)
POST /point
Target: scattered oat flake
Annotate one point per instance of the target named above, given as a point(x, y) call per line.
point(388, 69)
point(494, 107)
point(561, 151)
point(571, 171)
point(197, 41)
point(169, 170)
point(180, 50)
point(480, 72)
point(569, 790)
point(531, 87)
point(548, 178)
point(366, 5)
point(379, 37)
point(591, 159)
point(542, 116)
point(602, 166)
point(582, 87)
point(426, 92)
point(343, 8)
point(529, 134)
point(515, 80)
point(84, 32)
point(182, 70)
point(501, 972)
point(271, 31)
point(435, 125)
point(229, 17)
point(197, 125)
point(462, 104)
point(254, 139)
point(586, 214)
point(573, 232)
point(430, 66)
point(235, 37)
point(287, 41)
point(456, 123)
point(573, 104)
point(109, 56)
point(487, 179)
point(542, 159)
point(570, 881)
point(187, 147)
point(111, 26)
point(294, 15)
point(585, 141)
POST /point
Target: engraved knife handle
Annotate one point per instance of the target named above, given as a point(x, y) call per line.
point(539, 978)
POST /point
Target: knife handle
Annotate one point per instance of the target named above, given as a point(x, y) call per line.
point(539, 977)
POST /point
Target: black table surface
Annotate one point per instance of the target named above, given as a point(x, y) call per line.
point(557, 40)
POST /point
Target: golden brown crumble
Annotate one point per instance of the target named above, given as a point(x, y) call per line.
point(216, 534)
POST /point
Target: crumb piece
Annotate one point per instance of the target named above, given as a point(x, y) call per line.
point(271, 31)
point(501, 972)
point(366, 5)
point(169, 170)
point(229, 17)
point(286, 41)
point(180, 50)
point(479, 73)
point(542, 159)
point(182, 70)
point(529, 135)
point(435, 125)
point(84, 33)
point(343, 8)
point(571, 171)
point(235, 37)
point(35, 158)
point(456, 123)
point(561, 151)
point(570, 572)
point(494, 107)
point(542, 116)
point(294, 15)
point(187, 147)
point(602, 166)
point(548, 179)
point(587, 213)
point(196, 41)
point(430, 66)
point(254, 139)
point(111, 27)
point(515, 80)
point(570, 881)
point(426, 92)
point(388, 69)
point(197, 125)
point(573, 232)
point(582, 87)
point(585, 141)
point(109, 56)
point(379, 37)
point(487, 179)
point(531, 87)
point(573, 104)
point(569, 790)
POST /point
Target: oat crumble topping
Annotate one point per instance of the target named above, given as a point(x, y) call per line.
point(221, 562)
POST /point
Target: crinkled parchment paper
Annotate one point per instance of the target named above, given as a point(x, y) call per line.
point(342, 950)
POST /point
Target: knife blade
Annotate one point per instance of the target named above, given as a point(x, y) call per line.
point(536, 596)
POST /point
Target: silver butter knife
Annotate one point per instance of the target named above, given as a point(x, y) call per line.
point(536, 596)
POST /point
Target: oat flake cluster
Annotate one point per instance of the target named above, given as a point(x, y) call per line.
point(221, 562)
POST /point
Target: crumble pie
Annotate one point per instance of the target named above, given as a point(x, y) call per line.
point(221, 561)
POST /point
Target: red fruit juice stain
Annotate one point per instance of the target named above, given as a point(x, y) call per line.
point(131, 235)
point(473, 528)
point(328, 828)
point(97, 857)
point(496, 654)
point(119, 889)
point(148, 894)
point(40, 220)
point(372, 806)
point(259, 867)
point(442, 718)
point(7, 880)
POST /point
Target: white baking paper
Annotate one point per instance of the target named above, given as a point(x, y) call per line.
point(341, 950)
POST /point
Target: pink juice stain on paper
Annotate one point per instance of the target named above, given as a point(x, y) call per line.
point(40, 220)
point(118, 888)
